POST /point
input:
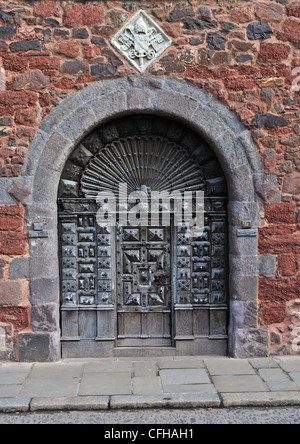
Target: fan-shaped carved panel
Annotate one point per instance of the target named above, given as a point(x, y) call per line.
point(140, 161)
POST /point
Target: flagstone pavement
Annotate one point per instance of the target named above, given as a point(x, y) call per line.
point(136, 383)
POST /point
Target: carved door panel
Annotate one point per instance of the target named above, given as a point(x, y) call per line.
point(144, 286)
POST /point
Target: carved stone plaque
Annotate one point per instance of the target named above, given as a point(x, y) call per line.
point(141, 41)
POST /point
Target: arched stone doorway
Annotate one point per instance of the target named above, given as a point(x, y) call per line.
point(177, 100)
point(147, 282)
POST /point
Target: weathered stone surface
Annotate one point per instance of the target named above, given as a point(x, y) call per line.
point(34, 347)
point(80, 33)
point(251, 343)
point(12, 405)
point(180, 13)
point(266, 11)
point(103, 70)
point(7, 17)
point(259, 30)
point(69, 49)
point(25, 45)
point(274, 51)
point(291, 183)
point(243, 58)
point(195, 24)
point(70, 403)
point(268, 120)
point(19, 191)
point(76, 67)
point(45, 317)
point(216, 41)
point(30, 80)
point(7, 32)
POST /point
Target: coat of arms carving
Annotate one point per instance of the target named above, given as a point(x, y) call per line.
point(141, 41)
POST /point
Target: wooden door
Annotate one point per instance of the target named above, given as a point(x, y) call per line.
point(144, 306)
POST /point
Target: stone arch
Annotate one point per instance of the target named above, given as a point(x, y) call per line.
point(78, 115)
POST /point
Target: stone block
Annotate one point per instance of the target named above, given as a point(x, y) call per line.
point(249, 343)
point(168, 102)
point(78, 123)
point(44, 290)
point(142, 99)
point(267, 265)
point(244, 265)
point(171, 400)
point(70, 403)
point(30, 80)
point(58, 115)
point(108, 106)
point(19, 268)
point(53, 156)
point(261, 399)
point(243, 287)
point(44, 267)
point(11, 293)
point(13, 405)
point(240, 184)
point(45, 317)
point(241, 246)
point(243, 210)
point(25, 45)
point(19, 191)
point(42, 193)
point(34, 347)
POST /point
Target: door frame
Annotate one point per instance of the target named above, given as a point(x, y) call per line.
point(79, 114)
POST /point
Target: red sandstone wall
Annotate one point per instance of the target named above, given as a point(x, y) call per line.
point(246, 53)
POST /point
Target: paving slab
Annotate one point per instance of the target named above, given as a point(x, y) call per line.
point(70, 403)
point(145, 369)
point(282, 386)
point(184, 376)
point(289, 364)
point(239, 384)
point(144, 385)
point(263, 363)
point(53, 370)
point(105, 384)
point(12, 378)
point(10, 391)
point(273, 374)
point(204, 400)
point(295, 377)
point(97, 384)
point(51, 387)
point(12, 405)
point(229, 367)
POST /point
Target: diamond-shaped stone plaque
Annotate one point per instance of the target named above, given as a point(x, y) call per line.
point(141, 41)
